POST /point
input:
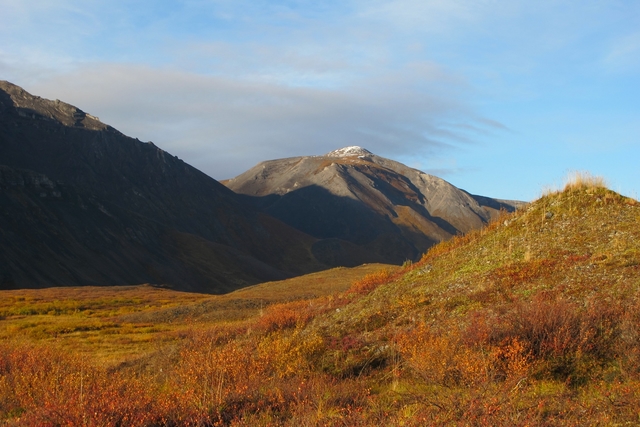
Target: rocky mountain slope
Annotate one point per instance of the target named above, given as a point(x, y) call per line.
point(83, 204)
point(390, 211)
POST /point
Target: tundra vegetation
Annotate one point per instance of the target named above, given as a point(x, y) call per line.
point(533, 320)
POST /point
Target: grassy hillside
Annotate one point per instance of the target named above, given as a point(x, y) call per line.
point(534, 320)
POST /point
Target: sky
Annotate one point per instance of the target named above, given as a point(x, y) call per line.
point(500, 98)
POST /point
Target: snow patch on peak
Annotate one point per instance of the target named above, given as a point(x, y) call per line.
point(349, 151)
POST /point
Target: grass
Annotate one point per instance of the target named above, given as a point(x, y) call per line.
point(116, 325)
point(532, 320)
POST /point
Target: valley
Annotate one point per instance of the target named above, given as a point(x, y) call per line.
point(113, 326)
point(531, 320)
point(389, 213)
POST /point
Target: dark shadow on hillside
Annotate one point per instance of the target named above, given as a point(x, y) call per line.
point(53, 235)
point(412, 198)
point(89, 206)
point(337, 219)
point(317, 212)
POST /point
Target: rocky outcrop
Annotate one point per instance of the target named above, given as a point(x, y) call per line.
point(30, 180)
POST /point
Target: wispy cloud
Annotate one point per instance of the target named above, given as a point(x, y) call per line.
point(225, 125)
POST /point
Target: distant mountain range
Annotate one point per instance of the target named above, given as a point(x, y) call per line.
point(83, 204)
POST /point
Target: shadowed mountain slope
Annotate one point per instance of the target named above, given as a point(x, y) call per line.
point(83, 204)
point(392, 211)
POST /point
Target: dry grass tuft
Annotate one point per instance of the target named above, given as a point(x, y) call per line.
point(576, 180)
point(583, 180)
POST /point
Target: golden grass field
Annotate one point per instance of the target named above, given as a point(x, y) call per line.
point(114, 325)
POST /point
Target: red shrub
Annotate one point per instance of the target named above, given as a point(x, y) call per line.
point(45, 387)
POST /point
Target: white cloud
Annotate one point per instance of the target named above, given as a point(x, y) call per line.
point(224, 125)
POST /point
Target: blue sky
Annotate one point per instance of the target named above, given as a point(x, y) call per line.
point(501, 98)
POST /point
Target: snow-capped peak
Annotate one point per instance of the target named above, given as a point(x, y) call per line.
point(349, 151)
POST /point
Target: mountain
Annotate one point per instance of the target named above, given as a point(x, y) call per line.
point(390, 211)
point(83, 204)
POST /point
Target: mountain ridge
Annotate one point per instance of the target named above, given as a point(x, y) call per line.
point(126, 211)
point(357, 196)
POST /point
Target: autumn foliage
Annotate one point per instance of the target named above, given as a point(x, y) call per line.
point(369, 282)
point(534, 321)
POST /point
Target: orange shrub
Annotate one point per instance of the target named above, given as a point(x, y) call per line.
point(557, 327)
point(289, 354)
point(369, 282)
point(564, 339)
point(40, 386)
point(208, 377)
point(286, 315)
point(442, 359)
point(524, 272)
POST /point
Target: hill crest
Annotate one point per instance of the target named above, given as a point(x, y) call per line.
point(35, 107)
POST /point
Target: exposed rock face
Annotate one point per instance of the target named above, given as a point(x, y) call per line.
point(83, 204)
point(391, 211)
point(353, 150)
